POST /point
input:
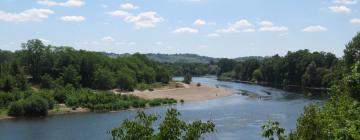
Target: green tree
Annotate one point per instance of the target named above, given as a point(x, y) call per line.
point(104, 79)
point(171, 128)
point(34, 58)
point(187, 79)
point(125, 79)
point(352, 51)
point(8, 83)
point(47, 82)
point(272, 130)
point(71, 76)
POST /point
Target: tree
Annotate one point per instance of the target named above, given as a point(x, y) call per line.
point(352, 51)
point(104, 79)
point(225, 65)
point(187, 79)
point(125, 79)
point(272, 129)
point(71, 76)
point(171, 128)
point(34, 57)
point(309, 78)
point(352, 81)
point(47, 82)
point(8, 83)
point(21, 80)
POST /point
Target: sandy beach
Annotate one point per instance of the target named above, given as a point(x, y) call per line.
point(187, 93)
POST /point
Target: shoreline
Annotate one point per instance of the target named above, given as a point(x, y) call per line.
point(187, 93)
point(280, 86)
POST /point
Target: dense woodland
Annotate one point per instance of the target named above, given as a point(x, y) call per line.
point(339, 117)
point(34, 79)
point(302, 68)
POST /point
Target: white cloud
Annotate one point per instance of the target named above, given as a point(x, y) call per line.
point(241, 25)
point(27, 15)
point(268, 26)
point(317, 28)
point(340, 9)
point(73, 18)
point(355, 21)
point(128, 6)
point(119, 13)
point(145, 19)
point(186, 30)
point(266, 23)
point(68, 3)
point(141, 20)
point(108, 39)
point(213, 35)
point(345, 1)
point(200, 22)
point(273, 29)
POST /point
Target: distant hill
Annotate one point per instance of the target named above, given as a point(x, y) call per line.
point(180, 58)
point(248, 58)
point(184, 58)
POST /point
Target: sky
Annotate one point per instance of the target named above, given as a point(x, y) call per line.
point(216, 28)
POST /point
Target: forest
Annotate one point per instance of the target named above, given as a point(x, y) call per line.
point(301, 68)
point(37, 77)
point(338, 117)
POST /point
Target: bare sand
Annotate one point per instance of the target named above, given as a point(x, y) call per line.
point(188, 93)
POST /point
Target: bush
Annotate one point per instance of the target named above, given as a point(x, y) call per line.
point(16, 109)
point(36, 106)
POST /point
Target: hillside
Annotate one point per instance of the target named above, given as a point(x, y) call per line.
point(180, 58)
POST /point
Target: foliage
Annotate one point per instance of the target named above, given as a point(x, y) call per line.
point(172, 128)
point(272, 129)
point(352, 51)
point(187, 79)
point(309, 69)
point(104, 79)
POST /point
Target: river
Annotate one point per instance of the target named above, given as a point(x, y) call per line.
point(236, 117)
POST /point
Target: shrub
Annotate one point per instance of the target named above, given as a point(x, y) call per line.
point(16, 109)
point(36, 106)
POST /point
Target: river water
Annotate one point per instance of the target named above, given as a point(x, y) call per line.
point(236, 117)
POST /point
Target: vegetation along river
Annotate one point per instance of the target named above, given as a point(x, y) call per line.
point(239, 116)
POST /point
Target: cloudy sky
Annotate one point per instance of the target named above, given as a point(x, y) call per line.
point(218, 28)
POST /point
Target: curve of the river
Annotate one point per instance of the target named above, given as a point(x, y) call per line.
point(236, 117)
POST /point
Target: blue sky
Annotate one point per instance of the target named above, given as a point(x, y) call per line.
point(217, 28)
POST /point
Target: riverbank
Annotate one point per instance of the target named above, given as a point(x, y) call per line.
point(285, 87)
point(187, 93)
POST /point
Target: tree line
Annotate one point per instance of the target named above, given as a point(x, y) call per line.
point(302, 67)
point(37, 77)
